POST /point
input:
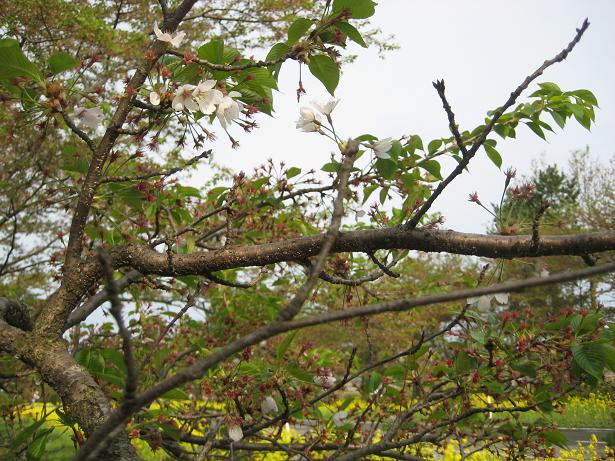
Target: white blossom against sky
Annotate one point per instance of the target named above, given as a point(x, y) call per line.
point(482, 49)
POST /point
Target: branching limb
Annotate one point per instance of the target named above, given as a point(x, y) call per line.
point(116, 310)
point(293, 307)
point(413, 222)
point(155, 174)
point(196, 371)
point(164, 8)
point(148, 261)
point(229, 68)
point(452, 125)
point(536, 225)
point(93, 303)
point(79, 132)
point(383, 267)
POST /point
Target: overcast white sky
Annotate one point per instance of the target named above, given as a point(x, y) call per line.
point(482, 49)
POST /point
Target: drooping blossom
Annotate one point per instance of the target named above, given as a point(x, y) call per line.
point(90, 117)
point(339, 417)
point(154, 98)
point(207, 97)
point(228, 109)
point(382, 147)
point(235, 433)
point(483, 303)
point(325, 381)
point(308, 120)
point(326, 109)
point(184, 99)
point(269, 405)
point(167, 37)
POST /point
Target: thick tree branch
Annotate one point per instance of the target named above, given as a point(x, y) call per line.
point(52, 319)
point(93, 303)
point(148, 261)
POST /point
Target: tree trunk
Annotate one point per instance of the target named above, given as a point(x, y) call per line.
point(83, 399)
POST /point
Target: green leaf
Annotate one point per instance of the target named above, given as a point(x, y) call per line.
point(536, 129)
point(464, 363)
point(212, 51)
point(525, 368)
point(492, 153)
point(326, 70)
point(359, 9)
point(37, 447)
point(175, 394)
point(433, 146)
point(13, 63)
point(285, 345)
point(61, 61)
point(292, 172)
point(331, 167)
point(66, 420)
point(260, 77)
point(556, 438)
point(367, 191)
point(352, 33)
point(277, 51)
point(433, 167)
point(550, 88)
point(415, 143)
point(300, 373)
point(559, 119)
point(187, 191)
point(586, 96)
point(72, 162)
point(23, 435)
point(590, 357)
point(610, 439)
point(110, 376)
point(298, 29)
point(384, 194)
point(386, 168)
point(609, 356)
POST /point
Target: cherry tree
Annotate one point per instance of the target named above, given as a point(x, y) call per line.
point(213, 290)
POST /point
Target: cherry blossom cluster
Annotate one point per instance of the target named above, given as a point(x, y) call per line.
point(206, 99)
point(310, 121)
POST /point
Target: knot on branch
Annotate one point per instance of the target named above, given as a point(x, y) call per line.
point(15, 314)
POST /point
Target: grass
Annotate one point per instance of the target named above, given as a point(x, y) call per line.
point(593, 411)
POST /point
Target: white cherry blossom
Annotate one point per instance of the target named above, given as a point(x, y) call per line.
point(308, 120)
point(483, 303)
point(326, 109)
point(184, 99)
point(501, 298)
point(382, 147)
point(339, 417)
point(480, 303)
point(167, 37)
point(207, 97)
point(90, 117)
point(235, 433)
point(269, 405)
point(228, 109)
point(154, 98)
point(325, 381)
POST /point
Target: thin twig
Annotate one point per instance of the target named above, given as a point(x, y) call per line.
point(116, 310)
point(413, 222)
point(295, 304)
point(79, 132)
point(536, 225)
